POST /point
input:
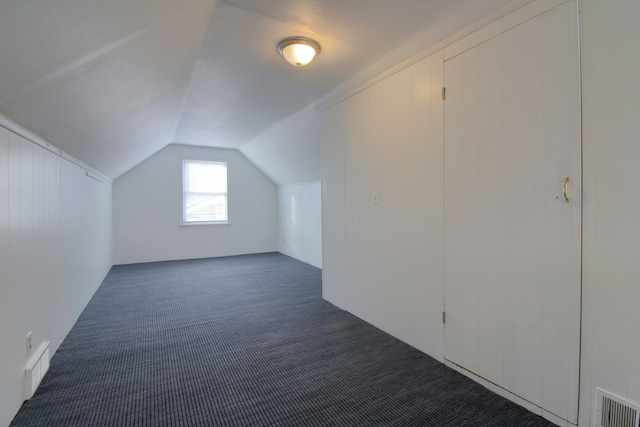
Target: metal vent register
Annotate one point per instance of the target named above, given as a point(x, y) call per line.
point(615, 411)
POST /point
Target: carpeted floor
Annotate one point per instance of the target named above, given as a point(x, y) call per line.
point(245, 341)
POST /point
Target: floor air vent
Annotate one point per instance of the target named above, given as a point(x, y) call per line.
point(614, 411)
point(36, 367)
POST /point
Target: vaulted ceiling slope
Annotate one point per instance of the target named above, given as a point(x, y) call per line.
point(113, 81)
point(104, 80)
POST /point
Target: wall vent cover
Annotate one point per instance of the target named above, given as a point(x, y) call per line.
point(614, 411)
point(36, 367)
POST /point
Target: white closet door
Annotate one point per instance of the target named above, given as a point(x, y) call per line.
point(512, 241)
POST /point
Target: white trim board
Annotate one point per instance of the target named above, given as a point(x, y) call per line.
point(502, 20)
point(12, 126)
point(298, 184)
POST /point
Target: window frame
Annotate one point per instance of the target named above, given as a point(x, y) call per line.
point(184, 222)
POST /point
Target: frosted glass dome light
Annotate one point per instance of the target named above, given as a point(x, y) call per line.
point(298, 51)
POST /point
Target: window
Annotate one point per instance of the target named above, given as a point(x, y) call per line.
point(204, 191)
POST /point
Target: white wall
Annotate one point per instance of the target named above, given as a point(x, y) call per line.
point(289, 151)
point(300, 222)
point(357, 257)
point(611, 185)
point(148, 210)
point(55, 249)
point(384, 261)
point(611, 248)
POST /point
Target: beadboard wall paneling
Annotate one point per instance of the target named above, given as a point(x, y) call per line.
point(55, 249)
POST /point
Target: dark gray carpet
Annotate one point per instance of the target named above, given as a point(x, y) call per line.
point(244, 341)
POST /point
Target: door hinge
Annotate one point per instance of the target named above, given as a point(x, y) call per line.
point(444, 317)
point(444, 93)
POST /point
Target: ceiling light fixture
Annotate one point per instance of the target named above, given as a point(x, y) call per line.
point(298, 51)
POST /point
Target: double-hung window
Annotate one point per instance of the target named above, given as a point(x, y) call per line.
point(204, 191)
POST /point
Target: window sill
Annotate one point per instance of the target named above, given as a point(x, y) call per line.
point(199, 223)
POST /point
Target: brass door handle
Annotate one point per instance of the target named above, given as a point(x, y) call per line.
point(564, 189)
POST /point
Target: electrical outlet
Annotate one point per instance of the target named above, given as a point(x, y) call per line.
point(28, 342)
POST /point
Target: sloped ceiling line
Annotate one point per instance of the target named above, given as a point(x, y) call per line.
point(118, 100)
point(111, 82)
point(30, 136)
point(73, 65)
point(76, 64)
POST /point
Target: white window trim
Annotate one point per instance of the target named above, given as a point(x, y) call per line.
point(202, 223)
point(184, 223)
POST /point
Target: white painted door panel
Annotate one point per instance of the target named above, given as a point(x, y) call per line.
point(512, 242)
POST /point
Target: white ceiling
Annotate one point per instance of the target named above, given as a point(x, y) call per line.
point(113, 81)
